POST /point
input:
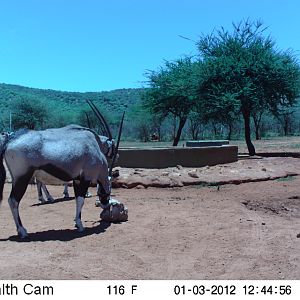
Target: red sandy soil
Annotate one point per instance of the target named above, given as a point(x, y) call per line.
point(245, 231)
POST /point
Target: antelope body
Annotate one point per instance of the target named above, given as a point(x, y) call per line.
point(68, 153)
point(43, 178)
point(71, 153)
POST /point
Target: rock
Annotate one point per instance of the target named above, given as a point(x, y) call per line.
point(179, 167)
point(140, 187)
point(175, 174)
point(165, 173)
point(116, 212)
point(193, 174)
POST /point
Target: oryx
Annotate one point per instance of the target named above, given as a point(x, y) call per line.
point(68, 153)
point(107, 147)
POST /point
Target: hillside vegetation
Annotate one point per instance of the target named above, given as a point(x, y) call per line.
point(60, 108)
point(63, 108)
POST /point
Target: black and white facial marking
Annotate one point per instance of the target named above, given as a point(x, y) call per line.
point(68, 153)
point(107, 146)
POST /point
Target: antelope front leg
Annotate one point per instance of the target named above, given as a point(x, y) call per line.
point(79, 205)
point(14, 206)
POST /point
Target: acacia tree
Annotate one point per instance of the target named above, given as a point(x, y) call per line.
point(243, 70)
point(286, 118)
point(196, 124)
point(257, 119)
point(29, 112)
point(172, 91)
point(218, 109)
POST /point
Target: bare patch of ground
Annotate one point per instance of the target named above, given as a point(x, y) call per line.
point(244, 231)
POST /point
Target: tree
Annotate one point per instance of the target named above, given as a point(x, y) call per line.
point(29, 112)
point(244, 70)
point(196, 123)
point(218, 109)
point(257, 118)
point(286, 118)
point(172, 91)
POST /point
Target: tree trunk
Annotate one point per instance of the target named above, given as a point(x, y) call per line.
point(195, 138)
point(246, 116)
point(257, 117)
point(159, 133)
point(194, 128)
point(286, 127)
point(229, 132)
point(257, 135)
point(179, 131)
point(174, 127)
point(215, 129)
point(194, 131)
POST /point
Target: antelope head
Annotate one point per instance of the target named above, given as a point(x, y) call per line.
point(112, 147)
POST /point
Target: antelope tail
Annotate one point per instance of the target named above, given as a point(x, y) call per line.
point(3, 144)
point(2, 178)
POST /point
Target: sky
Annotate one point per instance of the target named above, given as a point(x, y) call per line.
point(101, 45)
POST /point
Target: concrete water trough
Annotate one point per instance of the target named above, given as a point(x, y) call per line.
point(164, 157)
point(207, 143)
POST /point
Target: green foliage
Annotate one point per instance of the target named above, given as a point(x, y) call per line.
point(238, 73)
point(65, 108)
point(243, 72)
point(172, 88)
point(172, 91)
point(28, 113)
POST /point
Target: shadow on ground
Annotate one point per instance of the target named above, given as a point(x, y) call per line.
point(64, 235)
point(58, 200)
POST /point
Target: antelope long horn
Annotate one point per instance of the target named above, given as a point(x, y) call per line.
point(88, 120)
point(117, 146)
point(100, 117)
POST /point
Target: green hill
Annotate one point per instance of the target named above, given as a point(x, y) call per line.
point(66, 107)
point(62, 108)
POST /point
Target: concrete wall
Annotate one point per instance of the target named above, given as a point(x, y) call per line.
point(207, 143)
point(173, 156)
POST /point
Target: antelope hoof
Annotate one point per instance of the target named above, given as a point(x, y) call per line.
point(51, 199)
point(22, 233)
point(42, 200)
point(79, 227)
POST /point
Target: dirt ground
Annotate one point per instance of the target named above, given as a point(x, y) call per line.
point(245, 231)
